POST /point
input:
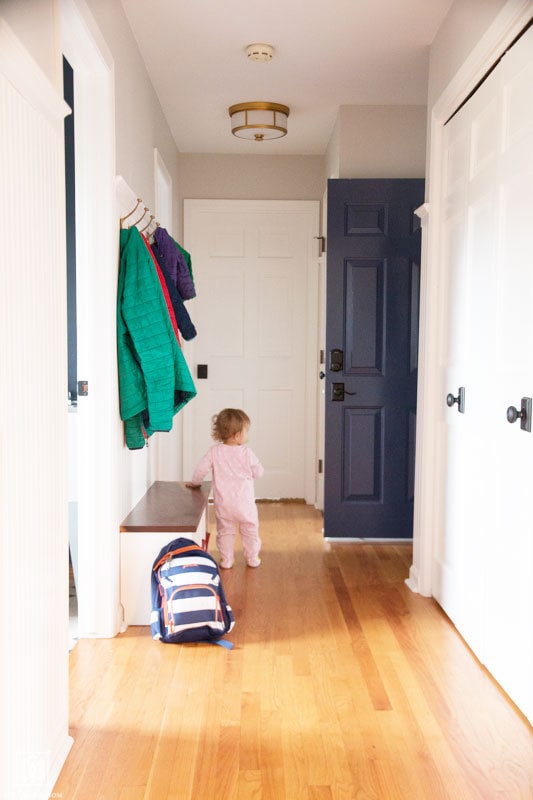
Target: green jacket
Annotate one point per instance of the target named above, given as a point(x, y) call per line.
point(154, 379)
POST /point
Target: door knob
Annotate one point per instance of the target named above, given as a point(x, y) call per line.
point(460, 400)
point(524, 415)
point(338, 391)
point(321, 375)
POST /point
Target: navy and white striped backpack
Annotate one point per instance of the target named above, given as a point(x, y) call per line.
point(188, 600)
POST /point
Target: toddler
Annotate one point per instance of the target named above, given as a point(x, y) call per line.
point(233, 468)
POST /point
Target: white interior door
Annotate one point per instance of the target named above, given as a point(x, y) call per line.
point(256, 276)
point(484, 560)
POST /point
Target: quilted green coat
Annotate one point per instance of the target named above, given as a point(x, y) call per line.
point(154, 379)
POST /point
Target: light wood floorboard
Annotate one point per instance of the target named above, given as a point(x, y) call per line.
point(342, 685)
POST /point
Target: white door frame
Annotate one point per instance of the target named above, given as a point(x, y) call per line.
point(429, 478)
point(312, 327)
point(96, 267)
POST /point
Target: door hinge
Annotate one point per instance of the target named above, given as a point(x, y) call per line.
point(320, 466)
point(321, 244)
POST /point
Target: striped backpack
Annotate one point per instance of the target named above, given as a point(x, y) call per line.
point(188, 600)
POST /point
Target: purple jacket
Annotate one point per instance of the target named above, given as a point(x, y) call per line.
point(169, 256)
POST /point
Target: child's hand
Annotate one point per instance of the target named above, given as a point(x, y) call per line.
point(193, 485)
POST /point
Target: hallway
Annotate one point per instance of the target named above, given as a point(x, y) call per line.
point(342, 684)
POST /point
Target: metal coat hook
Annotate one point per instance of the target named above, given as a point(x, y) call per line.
point(152, 217)
point(133, 210)
point(141, 217)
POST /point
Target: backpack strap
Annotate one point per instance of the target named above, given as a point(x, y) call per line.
point(172, 553)
point(223, 643)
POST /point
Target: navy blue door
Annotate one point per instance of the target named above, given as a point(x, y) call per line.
point(373, 280)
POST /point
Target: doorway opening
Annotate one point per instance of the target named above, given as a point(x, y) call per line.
point(72, 344)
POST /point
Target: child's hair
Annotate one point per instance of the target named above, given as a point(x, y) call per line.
point(228, 422)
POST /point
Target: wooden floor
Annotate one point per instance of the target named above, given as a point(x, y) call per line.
point(342, 684)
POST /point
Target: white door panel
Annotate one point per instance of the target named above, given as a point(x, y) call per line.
point(484, 562)
point(256, 276)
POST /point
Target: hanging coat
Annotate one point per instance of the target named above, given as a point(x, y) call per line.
point(154, 379)
point(170, 255)
point(178, 310)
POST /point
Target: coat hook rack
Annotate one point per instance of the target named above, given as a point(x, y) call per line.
point(141, 217)
point(133, 210)
point(142, 230)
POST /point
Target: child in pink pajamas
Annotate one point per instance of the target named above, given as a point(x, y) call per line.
point(233, 468)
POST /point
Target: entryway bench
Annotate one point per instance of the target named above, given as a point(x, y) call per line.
point(167, 511)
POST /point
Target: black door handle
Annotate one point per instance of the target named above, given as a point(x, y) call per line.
point(338, 391)
point(460, 400)
point(524, 415)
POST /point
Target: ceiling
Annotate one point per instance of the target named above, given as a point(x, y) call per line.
point(328, 53)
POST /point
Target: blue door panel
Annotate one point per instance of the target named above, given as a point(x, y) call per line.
point(364, 313)
point(372, 315)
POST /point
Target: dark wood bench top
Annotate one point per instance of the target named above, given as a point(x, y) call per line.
point(168, 506)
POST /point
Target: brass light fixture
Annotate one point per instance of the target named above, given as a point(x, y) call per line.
point(259, 120)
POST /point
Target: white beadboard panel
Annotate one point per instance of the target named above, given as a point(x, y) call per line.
point(33, 432)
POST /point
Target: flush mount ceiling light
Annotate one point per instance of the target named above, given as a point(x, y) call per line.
point(260, 52)
point(259, 120)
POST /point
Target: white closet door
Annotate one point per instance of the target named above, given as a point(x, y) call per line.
point(484, 562)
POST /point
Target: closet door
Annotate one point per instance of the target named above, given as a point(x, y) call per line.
point(484, 565)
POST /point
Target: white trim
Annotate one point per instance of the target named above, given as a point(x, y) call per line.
point(81, 38)
point(25, 75)
point(423, 544)
point(97, 223)
point(311, 404)
point(428, 479)
point(355, 540)
point(513, 17)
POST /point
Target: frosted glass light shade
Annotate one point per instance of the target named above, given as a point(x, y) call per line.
point(259, 120)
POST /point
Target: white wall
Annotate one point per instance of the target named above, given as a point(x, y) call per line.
point(378, 142)
point(140, 127)
point(36, 25)
point(464, 25)
point(139, 120)
point(333, 152)
point(382, 141)
point(249, 177)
